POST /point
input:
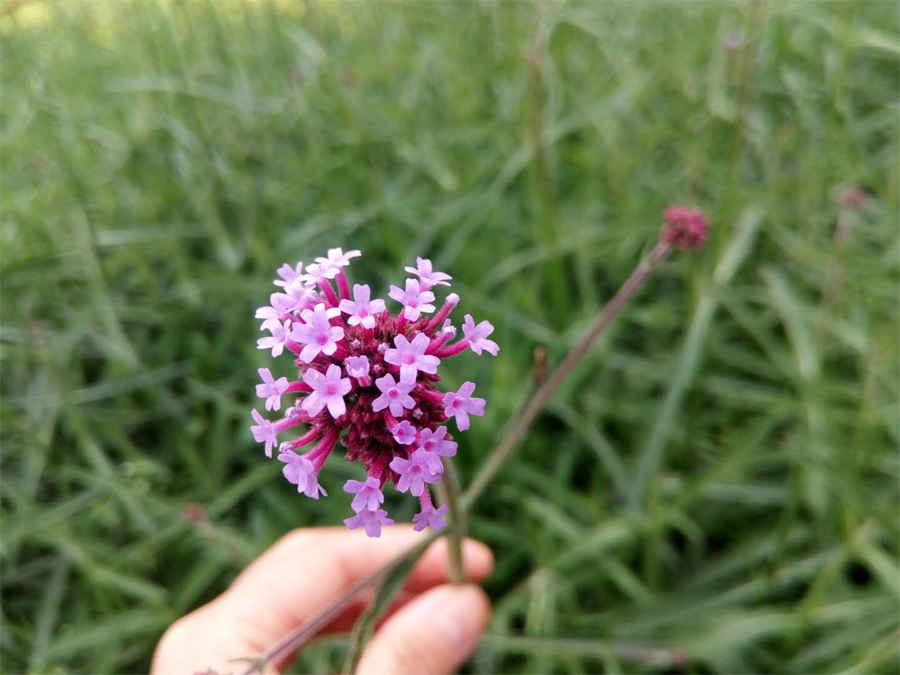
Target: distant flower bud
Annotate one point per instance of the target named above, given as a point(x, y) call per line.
point(685, 228)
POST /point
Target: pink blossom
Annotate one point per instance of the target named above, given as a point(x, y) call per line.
point(461, 404)
point(394, 395)
point(357, 366)
point(316, 273)
point(404, 433)
point(294, 299)
point(362, 311)
point(368, 494)
point(437, 442)
point(301, 472)
point(280, 334)
point(284, 303)
point(271, 317)
point(271, 389)
point(430, 517)
point(424, 272)
point(371, 520)
point(330, 267)
point(289, 275)
point(411, 356)
point(421, 467)
point(264, 431)
point(295, 411)
point(477, 336)
point(317, 333)
point(327, 390)
point(415, 301)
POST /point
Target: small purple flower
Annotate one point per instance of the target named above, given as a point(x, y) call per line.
point(477, 336)
point(330, 267)
point(361, 309)
point(368, 494)
point(371, 520)
point(271, 317)
point(404, 433)
point(301, 472)
point(424, 272)
point(415, 300)
point(290, 276)
point(357, 366)
point(271, 389)
point(317, 333)
point(411, 356)
point(284, 303)
point(421, 467)
point(394, 395)
point(316, 273)
point(264, 431)
point(280, 333)
point(436, 441)
point(327, 390)
point(461, 404)
point(294, 299)
point(430, 517)
point(295, 410)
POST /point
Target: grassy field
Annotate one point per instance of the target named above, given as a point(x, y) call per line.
point(716, 488)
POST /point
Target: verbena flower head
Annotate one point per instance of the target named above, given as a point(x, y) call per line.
point(367, 380)
point(685, 228)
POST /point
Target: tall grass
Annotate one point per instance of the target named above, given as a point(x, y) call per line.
point(716, 488)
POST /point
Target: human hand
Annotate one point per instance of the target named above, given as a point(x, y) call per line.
point(431, 630)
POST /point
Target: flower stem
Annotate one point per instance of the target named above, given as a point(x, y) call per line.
point(533, 406)
point(448, 493)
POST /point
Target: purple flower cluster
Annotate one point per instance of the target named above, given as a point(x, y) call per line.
point(367, 379)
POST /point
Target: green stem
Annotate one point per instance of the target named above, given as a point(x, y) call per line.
point(449, 493)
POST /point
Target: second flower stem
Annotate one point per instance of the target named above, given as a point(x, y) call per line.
point(449, 493)
point(523, 421)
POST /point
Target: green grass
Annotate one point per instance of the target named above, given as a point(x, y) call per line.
point(719, 477)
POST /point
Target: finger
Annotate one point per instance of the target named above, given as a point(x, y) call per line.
point(294, 580)
point(308, 570)
point(358, 556)
point(432, 635)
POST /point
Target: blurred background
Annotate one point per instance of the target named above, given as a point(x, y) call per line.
point(715, 489)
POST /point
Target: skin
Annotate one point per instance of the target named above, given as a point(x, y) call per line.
point(431, 630)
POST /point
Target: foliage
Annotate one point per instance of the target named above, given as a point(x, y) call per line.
point(717, 484)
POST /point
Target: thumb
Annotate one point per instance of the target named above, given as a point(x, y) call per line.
point(431, 635)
